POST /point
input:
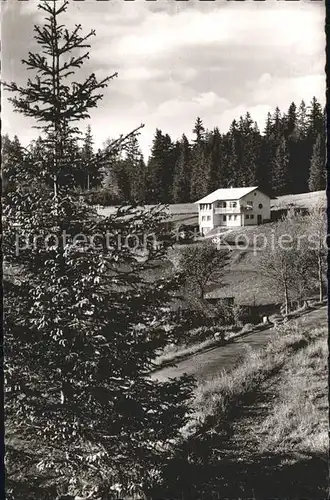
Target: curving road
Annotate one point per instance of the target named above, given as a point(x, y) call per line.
point(210, 362)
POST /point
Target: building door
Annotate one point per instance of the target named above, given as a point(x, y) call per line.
point(259, 219)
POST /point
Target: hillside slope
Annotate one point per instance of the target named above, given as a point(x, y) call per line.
point(261, 430)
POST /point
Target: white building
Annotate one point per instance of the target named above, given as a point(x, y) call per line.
point(233, 207)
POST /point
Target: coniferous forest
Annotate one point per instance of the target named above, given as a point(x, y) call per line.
point(287, 157)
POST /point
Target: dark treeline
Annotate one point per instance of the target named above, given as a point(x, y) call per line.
point(287, 157)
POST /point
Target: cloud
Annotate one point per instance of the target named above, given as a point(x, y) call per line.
point(177, 60)
point(292, 88)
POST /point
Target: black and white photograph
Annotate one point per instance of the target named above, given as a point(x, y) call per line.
point(165, 245)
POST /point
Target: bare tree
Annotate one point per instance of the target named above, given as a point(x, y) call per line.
point(278, 260)
point(200, 263)
point(296, 256)
point(316, 229)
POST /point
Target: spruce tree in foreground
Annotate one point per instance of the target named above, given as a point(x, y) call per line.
point(83, 324)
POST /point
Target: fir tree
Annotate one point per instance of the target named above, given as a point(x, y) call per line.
point(291, 121)
point(315, 128)
point(12, 157)
point(200, 164)
point(302, 120)
point(90, 168)
point(110, 182)
point(265, 161)
point(160, 169)
point(232, 154)
point(181, 180)
point(316, 181)
point(136, 169)
point(268, 125)
point(280, 169)
point(291, 135)
point(277, 125)
point(198, 129)
point(248, 151)
point(82, 325)
point(315, 119)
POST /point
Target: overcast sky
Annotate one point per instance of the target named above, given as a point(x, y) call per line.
point(180, 60)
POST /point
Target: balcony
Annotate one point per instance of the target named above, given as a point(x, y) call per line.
point(227, 210)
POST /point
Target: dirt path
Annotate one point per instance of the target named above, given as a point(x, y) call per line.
point(225, 457)
point(208, 363)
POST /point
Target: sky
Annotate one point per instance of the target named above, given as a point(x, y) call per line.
point(177, 60)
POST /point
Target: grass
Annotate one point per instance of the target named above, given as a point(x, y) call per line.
point(304, 200)
point(298, 422)
point(263, 426)
point(217, 393)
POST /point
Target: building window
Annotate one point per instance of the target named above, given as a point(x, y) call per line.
point(224, 218)
point(233, 204)
point(204, 217)
point(251, 216)
point(235, 217)
point(208, 217)
point(260, 206)
point(247, 216)
point(250, 203)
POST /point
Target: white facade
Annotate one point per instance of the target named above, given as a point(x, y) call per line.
point(233, 207)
